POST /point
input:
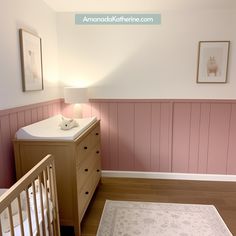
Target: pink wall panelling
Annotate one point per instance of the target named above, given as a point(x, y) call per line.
point(203, 134)
point(184, 136)
point(10, 121)
point(136, 136)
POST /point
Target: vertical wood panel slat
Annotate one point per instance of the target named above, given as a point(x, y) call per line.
point(170, 132)
point(7, 158)
point(113, 134)
point(67, 110)
point(50, 110)
point(71, 110)
point(40, 113)
point(20, 119)
point(126, 136)
point(165, 155)
point(155, 136)
point(2, 160)
point(194, 137)
point(142, 136)
point(86, 110)
point(181, 135)
point(203, 138)
point(231, 164)
point(96, 110)
point(28, 118)
point(62, 108)
point(104, 108)
point(55, 108)
point(13, 124)
point(58, 107)
point(34, 115)
point(218, 138)
point(45, 112)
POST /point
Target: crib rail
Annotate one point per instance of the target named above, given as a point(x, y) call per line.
point(40, 208)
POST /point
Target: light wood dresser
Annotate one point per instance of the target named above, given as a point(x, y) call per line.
point(78, 170)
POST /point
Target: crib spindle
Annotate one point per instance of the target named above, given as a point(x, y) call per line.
point(0, 226)
point(35, 207)
point(11, 220)
point(47, 202)
point(51, 195)
point(41, 205)
point(28, 211)
point(44, 173)
point(20, 216)
point(55, 199)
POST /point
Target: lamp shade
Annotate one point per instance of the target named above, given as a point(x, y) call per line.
point(75, 95)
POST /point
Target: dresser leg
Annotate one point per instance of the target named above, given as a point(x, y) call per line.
point(77, 230)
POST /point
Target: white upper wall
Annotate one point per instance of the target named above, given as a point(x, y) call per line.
point(140, 5)
point(147, 61)
point(38, 18)
point(116, 61)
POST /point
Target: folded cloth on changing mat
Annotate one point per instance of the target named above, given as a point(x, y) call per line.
point(5, 222)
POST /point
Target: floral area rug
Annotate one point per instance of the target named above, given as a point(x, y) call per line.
point(127, 218)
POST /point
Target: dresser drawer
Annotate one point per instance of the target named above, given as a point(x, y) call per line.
point(84, 171)
point(95, 136)
point(85, 195)
point(97, 171)
point(87, 190)
point(86, 146)
point(87, 166)
point(83, 148)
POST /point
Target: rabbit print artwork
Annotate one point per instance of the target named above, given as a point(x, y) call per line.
point(212, 67)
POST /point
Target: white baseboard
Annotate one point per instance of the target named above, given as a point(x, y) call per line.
point(165, 175)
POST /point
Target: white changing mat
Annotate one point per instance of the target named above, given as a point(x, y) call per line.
point(49, 129)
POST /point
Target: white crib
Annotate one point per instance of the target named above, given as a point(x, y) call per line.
point(30, 206)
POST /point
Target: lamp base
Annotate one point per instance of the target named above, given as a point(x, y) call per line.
point(77, 111)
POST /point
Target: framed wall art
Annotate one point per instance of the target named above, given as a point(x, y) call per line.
point(31, 61)
point(213, 59)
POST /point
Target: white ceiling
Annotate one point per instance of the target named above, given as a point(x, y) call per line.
point(137, 5)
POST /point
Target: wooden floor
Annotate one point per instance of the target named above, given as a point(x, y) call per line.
point(220, 194)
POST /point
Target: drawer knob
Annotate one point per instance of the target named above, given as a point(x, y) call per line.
point(97, 133)
point(87, 193)
point(97, 152)
point(86, 170)
point(98, 170)
point(85, 147)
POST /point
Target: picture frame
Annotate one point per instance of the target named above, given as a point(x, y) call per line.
point(213, 59)
point(31, 61)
